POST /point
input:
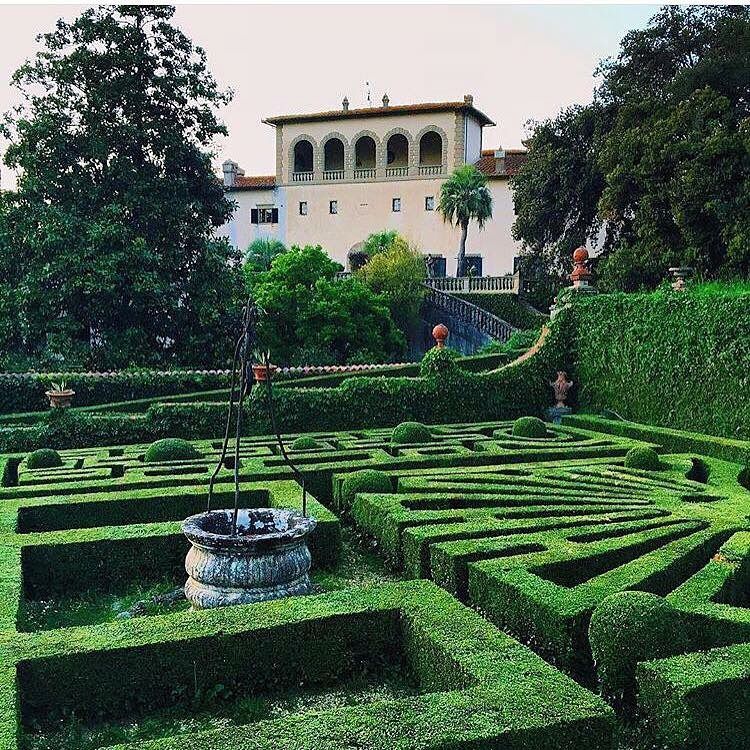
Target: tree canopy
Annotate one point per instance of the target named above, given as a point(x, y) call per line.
point(312, 318)
point(656, 171)
point(397, 273)
point(107, 254)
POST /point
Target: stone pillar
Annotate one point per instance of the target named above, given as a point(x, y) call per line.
point(581, 279)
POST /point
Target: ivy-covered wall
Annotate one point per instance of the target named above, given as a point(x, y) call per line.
point(676, 359)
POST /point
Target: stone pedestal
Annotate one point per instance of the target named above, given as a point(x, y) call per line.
point(555, 414)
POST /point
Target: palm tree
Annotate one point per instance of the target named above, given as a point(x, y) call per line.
point(465, 196)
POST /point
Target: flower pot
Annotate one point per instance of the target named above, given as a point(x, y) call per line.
point(263, 373)
point(60, 399)
point(267, 558)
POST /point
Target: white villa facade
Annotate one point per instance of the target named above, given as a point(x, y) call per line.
point(344, 174)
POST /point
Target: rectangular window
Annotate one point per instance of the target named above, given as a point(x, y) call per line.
point(264, 215)
point(303, 208)
point(429, 203)
point(396, 205)
point(333, 207)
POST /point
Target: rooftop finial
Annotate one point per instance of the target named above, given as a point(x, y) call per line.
point(468, 100)
point(386, 100)
point(345, 104)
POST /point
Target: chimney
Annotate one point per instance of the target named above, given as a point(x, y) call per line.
point(345, 104)
point(386, 100)
point(231, 171)
point(468, 100)
point(500, 161)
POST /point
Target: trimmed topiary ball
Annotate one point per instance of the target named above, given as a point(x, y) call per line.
point(366, 480)
point(44, 458)
point(305, 442)
point(170, 449)
point(530, 427)
point(642, 458)
point(411, 432)
point(631, 627)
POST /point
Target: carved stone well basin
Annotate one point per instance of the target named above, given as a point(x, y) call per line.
point(267, 558)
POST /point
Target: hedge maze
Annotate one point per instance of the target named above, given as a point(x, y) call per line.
point(550, 592)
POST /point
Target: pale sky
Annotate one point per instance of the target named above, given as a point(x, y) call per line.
point(520, 62)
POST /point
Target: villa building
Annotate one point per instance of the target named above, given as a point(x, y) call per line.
point(343, 174)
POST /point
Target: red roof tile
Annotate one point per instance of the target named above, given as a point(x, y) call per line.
point(508, 166)
point(393, 109)
point(260, 182)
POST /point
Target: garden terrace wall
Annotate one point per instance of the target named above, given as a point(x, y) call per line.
point(451, 395)
point(675, 359)
point(24, 392)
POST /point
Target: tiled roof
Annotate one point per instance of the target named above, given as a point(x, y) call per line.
point(260, 182)
point(394, 109)
point(504, 167)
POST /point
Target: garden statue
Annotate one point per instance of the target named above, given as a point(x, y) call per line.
point(560, 387)
point(681, 274)
point(244, 555)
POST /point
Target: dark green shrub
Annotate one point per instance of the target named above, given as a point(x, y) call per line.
point(411, 432)
point(170, 449)
point(530, 427)
point(744, 477)
point(699, 471)
point(630, 627)
point(437, 361)
point(43, 458)
point(642, 458)
point(305, 442)
point(366, 480)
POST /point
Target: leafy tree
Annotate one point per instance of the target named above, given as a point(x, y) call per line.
point(106, 246)
point(397, 274)
point(259, 255)
point(308, 312)
point(378, 242)
point(464, 197)
point(656, 171)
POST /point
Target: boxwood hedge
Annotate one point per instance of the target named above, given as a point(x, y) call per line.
point(668, 358)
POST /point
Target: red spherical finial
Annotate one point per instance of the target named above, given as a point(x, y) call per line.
point(580, 255)
point(440, 333)
point(581, 274)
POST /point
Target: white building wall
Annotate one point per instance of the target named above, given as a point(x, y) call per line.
point(367, 207)
point(473, 141)
point(239, 231)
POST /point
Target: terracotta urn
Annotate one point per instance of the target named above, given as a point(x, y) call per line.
point(60, 399)
point(261, 372)
point(267, 557)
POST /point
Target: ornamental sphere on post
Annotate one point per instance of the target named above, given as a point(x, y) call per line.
point(440, 333)
point(581, 275)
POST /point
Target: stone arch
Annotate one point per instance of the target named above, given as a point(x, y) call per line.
point(353, 149)
point(293, 147)
point(409, 143)
point(322, 151)
point(444, 137)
